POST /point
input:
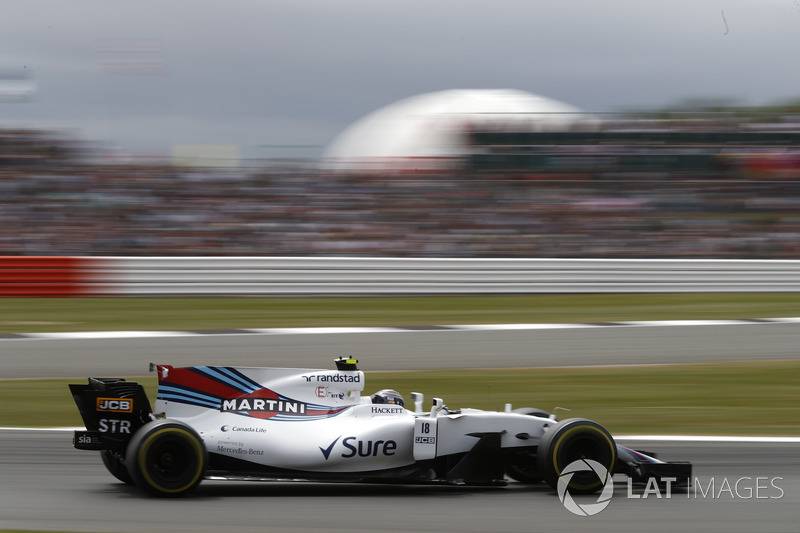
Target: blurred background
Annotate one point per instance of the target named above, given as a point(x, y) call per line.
point(287, 128)
point(710, 184)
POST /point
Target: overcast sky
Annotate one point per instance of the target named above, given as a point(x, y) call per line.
point(148, 74)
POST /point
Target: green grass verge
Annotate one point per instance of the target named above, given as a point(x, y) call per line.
point(742, 398)
point(31, 315)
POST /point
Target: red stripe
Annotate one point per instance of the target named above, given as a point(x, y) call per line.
point(33, 261)
point(38, 276)
point(188, 378)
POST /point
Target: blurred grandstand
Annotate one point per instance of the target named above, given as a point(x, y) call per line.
point(684, 186)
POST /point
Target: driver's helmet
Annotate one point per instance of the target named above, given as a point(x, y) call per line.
point(388, 396)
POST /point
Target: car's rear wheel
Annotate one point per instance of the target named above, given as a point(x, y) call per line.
point(527, 472)
point(577, 439)
point(115, 466)
point(166, 458)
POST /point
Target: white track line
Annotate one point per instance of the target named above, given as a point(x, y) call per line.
point(320, 330)
point(378, 329)
point(707, 438)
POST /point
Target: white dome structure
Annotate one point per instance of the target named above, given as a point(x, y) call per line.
point(431, 130)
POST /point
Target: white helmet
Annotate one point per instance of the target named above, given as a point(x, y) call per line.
point(388, 396)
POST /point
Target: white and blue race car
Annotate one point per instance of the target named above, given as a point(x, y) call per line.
point(223, 422)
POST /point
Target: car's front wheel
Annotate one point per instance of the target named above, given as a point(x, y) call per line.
point(166, 458)
point(577, 440)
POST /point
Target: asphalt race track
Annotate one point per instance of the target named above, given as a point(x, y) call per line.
point(409, 350)
point(739, 487)
point(48, 485)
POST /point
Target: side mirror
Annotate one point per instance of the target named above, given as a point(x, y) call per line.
point(438, 405)
point(417, 398)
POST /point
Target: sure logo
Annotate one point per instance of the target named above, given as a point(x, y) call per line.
point(361, 448)
point(115, 405)
point(367, 448)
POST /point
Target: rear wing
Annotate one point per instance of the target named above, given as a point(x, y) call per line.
point(112, 410)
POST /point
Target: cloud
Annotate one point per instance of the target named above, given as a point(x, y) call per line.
point(302, 70)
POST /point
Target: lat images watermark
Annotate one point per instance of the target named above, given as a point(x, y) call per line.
point(587, 509)
point(741, 488)
point(714, 488)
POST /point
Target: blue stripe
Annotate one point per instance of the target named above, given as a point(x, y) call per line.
point(188, 392)
point(217, 376)
point(283, 417)
point(190, 401)
point(237, 378)
point(314, 407)
point(300, 418)
point(639, 455)
point(243, 377)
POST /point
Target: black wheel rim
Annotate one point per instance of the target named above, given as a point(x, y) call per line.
point(171, 462)
point(585, 446)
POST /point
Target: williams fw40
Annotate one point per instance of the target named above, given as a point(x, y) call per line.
point(222, 422)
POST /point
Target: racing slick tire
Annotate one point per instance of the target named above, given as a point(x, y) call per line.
point(572, 440)
point(115, 466)
point(166, 458)
point(527, 473)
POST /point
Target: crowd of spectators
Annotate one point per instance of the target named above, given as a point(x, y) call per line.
point(67, 207)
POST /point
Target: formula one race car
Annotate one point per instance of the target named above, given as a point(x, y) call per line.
point(221, 422)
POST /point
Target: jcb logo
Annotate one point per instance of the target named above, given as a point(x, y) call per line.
point(115, 405)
